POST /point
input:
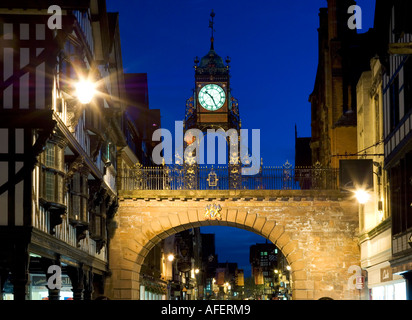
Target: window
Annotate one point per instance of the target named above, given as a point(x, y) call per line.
point(395, 291)
point(51, 174)
point(400, 291)
point(50, 156)
point(394, 103)
point(98, 222)
point(378, 135)
point(78, 198)
point(407, 72)
point(401, 194)
point(84, 20)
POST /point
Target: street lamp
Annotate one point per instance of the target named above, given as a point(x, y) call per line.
point(362, 196)
point(170, 257)
point(85, 91)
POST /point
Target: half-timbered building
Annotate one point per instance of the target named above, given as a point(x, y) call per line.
point(393, 24)
point(57, 153)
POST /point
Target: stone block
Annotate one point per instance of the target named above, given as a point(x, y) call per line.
point(126, 274)
point(240, 217)
point(297, 265)
point(302, 285)
point(128, 265)
point(184, 218)
point(231, 215)
point(117, 294)
point(129, 255)
point(296, 255)
point(192, 214)
point(290, 247)
point(283, 240)
point(165, 223)
point(147, 231)
point(300, 295)
point(157, 227)
point(250, 220)
point(179, 229)
point(259, 223)
point(277, 231)
point(299, 275)
point(267, 228)
point(174, 220)
point(310, 294)
point(126, 294)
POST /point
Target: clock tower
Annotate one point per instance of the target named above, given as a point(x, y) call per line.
point(212, 105)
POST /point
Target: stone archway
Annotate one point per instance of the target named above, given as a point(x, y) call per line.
point(317, 237)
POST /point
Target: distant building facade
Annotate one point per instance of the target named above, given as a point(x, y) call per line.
point(264, 262)
point(343, 55)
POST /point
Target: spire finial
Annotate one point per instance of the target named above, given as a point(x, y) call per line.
point(211, 25)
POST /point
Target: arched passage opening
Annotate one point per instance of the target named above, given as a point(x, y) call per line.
point(215, 263)
point(317, 237)
point(131, 247)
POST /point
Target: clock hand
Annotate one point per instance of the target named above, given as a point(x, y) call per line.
point(212, 98)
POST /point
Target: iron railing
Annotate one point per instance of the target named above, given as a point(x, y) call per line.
point(176, 177)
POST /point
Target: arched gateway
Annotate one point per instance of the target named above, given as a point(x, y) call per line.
point(315, 230)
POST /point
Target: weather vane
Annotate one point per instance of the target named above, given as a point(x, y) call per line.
point(211, 25)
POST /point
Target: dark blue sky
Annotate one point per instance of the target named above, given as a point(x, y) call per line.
point(273, 46)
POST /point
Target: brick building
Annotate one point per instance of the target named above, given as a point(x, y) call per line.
point(343, 56)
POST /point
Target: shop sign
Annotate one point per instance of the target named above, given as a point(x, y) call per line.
point(41, 281)
point(386, 274)
point(360, 282)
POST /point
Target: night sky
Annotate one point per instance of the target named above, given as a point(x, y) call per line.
point(273, 46)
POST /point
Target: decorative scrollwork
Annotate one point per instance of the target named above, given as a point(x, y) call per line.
point(212, 178)
point(137, 176)
point(287, 175)
point(190, 176)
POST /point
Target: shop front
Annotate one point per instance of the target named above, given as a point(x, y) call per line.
point(38, 289)
point(384, 285)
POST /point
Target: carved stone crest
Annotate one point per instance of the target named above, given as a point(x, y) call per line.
point(213, 212)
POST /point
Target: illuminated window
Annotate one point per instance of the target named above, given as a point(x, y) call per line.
point(78, 198)
point(51, 174)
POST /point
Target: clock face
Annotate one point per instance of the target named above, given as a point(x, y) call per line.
point(212, 97)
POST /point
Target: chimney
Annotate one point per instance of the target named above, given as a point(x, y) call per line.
point(338, 17)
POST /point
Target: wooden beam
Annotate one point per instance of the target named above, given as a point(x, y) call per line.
point(44, 4)
point(400, 48)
